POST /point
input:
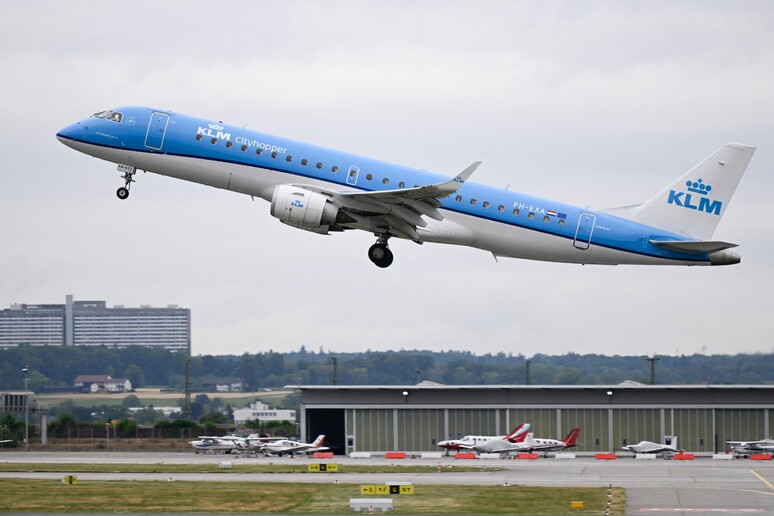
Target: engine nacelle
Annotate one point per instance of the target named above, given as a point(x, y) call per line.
point(303, 209)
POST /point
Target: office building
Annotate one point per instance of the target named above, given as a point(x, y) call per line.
point(93, 323)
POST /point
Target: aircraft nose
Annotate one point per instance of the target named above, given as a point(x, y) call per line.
point(71, 133)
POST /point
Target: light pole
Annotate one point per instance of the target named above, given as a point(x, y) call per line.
point(25, 370)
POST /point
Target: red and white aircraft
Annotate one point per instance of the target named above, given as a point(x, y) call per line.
point(286, 446)
point(469, 442)
point(530, 444)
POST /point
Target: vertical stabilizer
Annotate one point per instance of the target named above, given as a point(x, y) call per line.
point(572, 437)
point(519, 433)
point(693, 205)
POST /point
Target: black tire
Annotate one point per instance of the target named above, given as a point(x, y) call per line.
point(122, 193)
point(380, 255)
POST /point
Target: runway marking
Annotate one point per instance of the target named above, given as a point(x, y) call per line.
point(760, 477)
point(697, 509)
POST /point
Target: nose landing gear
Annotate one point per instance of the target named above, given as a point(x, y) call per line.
point(128, 178)
point(380, 253)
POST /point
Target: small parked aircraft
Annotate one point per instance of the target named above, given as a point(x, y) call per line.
point(745, 448)
point(231, 443)
point(530, 444)
point(669, 446)
point(288, 447)
point(470, 441)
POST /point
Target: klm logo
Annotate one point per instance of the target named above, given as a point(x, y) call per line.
point(214, 131)
point(297, 204)
point(700, 202)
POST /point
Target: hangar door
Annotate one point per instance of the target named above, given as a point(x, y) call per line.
point(329, 422)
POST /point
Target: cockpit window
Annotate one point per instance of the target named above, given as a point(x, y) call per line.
point(109, 115)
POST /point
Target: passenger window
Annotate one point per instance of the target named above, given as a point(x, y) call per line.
point(561, 222)
point(458, 198)
point(369, 176)
point(289, 158)
point(334, 169)
point(259, 151)
point(229, 145)
point(198, 137)
point(214, 141)
point(531, 215)
point(319, 165)
point(501, 208)
point(304, 161)
point(473, 202)
point(386, 181)
point(273, 154)
point(546, 218)
point(516, 211)
point(243, 147)
point(486, 204)
point(402, 184)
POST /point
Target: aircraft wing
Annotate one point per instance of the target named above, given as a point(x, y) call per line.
point(397, 212)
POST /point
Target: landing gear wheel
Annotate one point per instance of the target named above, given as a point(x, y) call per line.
point(122, 193)
point(380, 255)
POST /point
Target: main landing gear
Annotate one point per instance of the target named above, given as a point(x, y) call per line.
point(128, 178)
point(380, 253)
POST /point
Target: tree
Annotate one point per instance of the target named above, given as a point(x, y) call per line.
point(215, 418)
point(134, 374)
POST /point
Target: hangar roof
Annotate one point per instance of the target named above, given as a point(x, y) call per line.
point(529, 395)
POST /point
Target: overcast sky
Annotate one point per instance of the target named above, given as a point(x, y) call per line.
point(593, 103)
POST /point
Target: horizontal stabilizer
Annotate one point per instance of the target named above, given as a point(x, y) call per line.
point(693, 247)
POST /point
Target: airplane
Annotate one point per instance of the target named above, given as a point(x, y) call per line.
point(326, 191)
point(286, 446)
point(226, 444)
point(745, 448)
point(231, 444)
point(469, 441)
point(669, 446)
point(530, 444)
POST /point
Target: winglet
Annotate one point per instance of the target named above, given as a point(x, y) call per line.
point(462, 177)
point(452, 185)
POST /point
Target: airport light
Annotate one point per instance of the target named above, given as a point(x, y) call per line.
point(25, 370)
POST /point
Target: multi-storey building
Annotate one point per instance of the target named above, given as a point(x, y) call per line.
point(93, 323)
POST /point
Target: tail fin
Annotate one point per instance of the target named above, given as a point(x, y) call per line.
point(693, 205)
point(571, 437)
point(318, 442)
point(671, 441)
point(518, 434)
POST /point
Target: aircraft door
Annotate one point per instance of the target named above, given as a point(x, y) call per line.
point(352, 175)
point(157, 129)
point(584, 231)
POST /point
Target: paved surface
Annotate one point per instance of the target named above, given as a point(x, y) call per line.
point(702, 486)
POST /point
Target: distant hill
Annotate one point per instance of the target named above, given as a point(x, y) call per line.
point(58, 366)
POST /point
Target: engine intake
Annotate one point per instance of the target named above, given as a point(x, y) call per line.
point(300, 208)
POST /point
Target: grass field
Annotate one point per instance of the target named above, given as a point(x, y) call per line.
point(19, 495)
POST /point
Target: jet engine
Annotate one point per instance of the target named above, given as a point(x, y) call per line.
point(303, 209)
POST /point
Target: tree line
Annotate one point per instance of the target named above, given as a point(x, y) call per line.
point(57, 366)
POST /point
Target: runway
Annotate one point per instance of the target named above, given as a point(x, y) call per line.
point(654, 486)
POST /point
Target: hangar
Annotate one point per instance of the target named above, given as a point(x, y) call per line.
point(413, 418)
